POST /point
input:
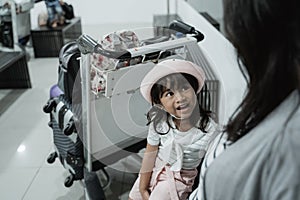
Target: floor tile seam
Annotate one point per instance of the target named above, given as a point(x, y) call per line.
point(30, 184)
point(9, 99)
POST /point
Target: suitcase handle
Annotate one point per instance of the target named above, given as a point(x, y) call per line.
point(186, 29)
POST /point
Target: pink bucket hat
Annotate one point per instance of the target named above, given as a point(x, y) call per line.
point(168, 67)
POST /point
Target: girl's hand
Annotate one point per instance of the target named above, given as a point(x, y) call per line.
point(145, 194)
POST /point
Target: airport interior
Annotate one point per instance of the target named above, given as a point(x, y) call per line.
point(111, 137)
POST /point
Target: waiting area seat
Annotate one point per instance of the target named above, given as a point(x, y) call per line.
point(14, 70)
point(47, 42)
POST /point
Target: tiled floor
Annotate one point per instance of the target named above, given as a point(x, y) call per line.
point(26, 141)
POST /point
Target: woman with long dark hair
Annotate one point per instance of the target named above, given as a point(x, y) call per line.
point(257, 156)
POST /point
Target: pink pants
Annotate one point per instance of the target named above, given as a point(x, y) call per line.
point(166, 184)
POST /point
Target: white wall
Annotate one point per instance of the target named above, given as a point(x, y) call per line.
point(213, 7)
point(95, 12)
point(222, 56)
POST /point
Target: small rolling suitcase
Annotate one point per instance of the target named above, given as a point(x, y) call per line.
point(64, 114)
point(67, 143)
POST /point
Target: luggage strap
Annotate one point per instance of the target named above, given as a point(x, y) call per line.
point(61, 113)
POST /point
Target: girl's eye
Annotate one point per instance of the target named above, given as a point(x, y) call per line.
point(168, 93)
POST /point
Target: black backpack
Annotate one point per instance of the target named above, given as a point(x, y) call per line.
point(68, 69)
point(68, 10)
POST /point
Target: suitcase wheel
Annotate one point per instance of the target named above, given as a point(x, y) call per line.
point(69, 181)
point(51, 158)
point(50, 124)
point(49, 106)
point(70, 127)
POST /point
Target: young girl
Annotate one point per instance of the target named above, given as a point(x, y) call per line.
point(179, 131)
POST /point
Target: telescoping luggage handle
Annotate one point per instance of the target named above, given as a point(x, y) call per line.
point(87, 44)
point(186, 29)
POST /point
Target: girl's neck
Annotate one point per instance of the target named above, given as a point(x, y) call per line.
point(183, 124)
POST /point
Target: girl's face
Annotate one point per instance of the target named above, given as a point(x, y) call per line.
point(179, 99)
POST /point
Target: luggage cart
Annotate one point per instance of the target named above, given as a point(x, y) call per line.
point(113, 119)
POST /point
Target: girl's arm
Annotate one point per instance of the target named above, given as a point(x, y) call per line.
point(146, 169)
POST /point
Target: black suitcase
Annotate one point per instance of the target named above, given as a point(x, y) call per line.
point(68, 69)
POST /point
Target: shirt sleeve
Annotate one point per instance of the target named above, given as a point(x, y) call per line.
point(153, 137)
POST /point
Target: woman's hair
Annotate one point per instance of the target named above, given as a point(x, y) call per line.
point(157, 115)
point(266, 35)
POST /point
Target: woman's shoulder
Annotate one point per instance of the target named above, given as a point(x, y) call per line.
point(288, 140)
point(287, 136)
point(283, 163)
